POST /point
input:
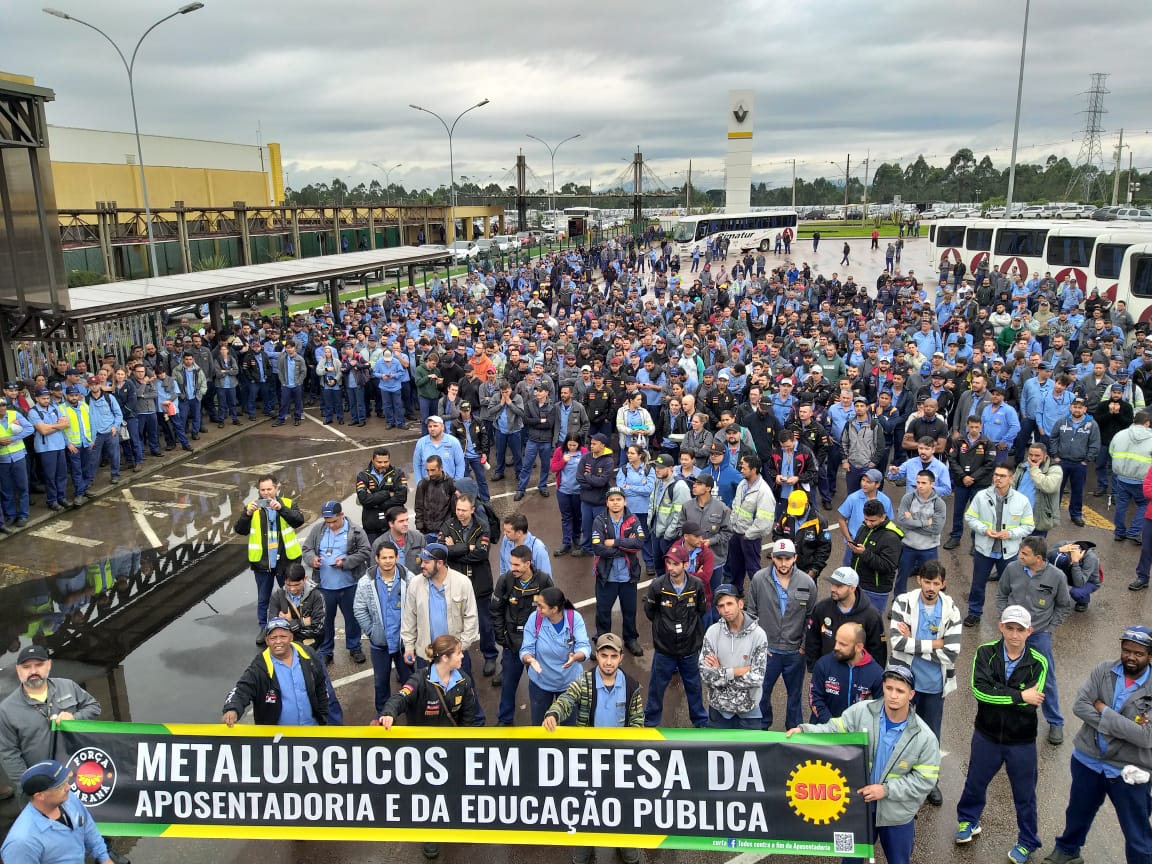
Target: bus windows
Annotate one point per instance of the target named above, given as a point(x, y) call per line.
point(701, 230)
point(978, 240)
point(1021, 242)
point(1070, 251)
point(1109, 257)
point(1142, 276)
point(949, 235)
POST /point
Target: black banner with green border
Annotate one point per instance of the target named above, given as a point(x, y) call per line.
point(653, 788)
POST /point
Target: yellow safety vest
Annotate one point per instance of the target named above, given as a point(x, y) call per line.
point(287, 538)
point(72, 433)
point(6, 430)
point(99, 576)
point(268, 657)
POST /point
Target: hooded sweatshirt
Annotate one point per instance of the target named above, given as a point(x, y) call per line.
point(747, 647)
point(922, 529)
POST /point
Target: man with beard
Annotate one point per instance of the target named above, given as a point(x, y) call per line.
point(29, 714)
point(846, 676)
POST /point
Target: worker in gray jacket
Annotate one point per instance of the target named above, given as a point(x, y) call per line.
point(784, 620)
point(292, 372)
point(1030, 581)
point(709, 512)
point(1113, 751)
point(666, 509)
point(921, 516)
point(1075, 444)
point(29, 714)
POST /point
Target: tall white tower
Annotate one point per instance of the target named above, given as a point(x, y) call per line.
point(738, 167)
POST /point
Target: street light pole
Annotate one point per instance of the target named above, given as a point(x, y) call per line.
point(451, 162)
point(552, 153)
point(1016, 124)
point(387, 176)
point(130, 67)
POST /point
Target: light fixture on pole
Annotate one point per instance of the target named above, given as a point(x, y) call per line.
point(451, 162)
point(130, 67)
point(552, 152)
point(387, 176)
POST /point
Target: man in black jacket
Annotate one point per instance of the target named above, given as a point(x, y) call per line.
point(278, 695)
point(811, 535)
point(847, 604)
point(971, 460)
point(513, 600)
point(876, 554)
point(1008, 682)
point(380, 487)
point(676, 605)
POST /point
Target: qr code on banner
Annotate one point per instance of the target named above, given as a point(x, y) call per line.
point(843, 842)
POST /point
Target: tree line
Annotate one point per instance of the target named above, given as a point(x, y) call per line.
point(964, 179)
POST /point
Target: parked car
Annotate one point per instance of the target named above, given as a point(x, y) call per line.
point(464, 250)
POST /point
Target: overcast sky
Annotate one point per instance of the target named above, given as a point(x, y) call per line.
point(331, 81)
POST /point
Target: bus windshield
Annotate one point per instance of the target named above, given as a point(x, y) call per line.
point(685, 232)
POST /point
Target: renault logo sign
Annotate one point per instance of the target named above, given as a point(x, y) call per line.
point(740, 113)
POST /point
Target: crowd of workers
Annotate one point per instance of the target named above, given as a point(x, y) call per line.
point(686, 424)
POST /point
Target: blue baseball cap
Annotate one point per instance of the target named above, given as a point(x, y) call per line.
point(1139, 634)
point(434, 552)
point(43, 775)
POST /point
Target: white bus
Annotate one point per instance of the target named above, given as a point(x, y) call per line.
point(1022, 247)
point(1135, 282)
point(746, 231)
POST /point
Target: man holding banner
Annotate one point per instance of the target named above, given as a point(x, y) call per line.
point(54, 827)
point(904, 756)
point(603, 697)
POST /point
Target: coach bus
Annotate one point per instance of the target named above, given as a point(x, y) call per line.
point(745, 231)
point(1023, 247)
point(1135, 282)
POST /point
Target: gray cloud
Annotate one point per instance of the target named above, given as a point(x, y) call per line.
point(332, 82)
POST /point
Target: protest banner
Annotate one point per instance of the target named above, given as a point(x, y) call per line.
point(655, 788)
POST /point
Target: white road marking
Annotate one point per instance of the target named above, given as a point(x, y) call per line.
point(60, 530)
point(351, 679)
point(329, 427)
point(141, 519)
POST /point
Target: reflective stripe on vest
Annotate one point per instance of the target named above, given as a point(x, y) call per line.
point(13, 446)
point(72, 433)
point(291, 546)
point(1135, 457)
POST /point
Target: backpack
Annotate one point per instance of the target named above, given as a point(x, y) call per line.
point(570, 614)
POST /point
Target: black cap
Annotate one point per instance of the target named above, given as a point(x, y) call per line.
point(725, 590)
point(32, 652)
point(900, 672)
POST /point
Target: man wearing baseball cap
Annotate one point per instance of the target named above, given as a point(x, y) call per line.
point(604, 698)
point(286, 684)
point(1110, 758)
point(676, 604)
point(54, 827)
point(420, 622)
point(903, 753)
point(28, 714)
point(732, 661)
point(617, 540)
point(1075, 443)
point(1008, 683)
point(782, 598)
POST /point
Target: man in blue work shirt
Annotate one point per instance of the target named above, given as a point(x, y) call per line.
point(516, 533)
point(924, 460)
point(106, 418)
point(54, 827)
point(285, 684)
point(1001, 423)
point(50, 442)
point(850, 516)
point(1034, 390)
